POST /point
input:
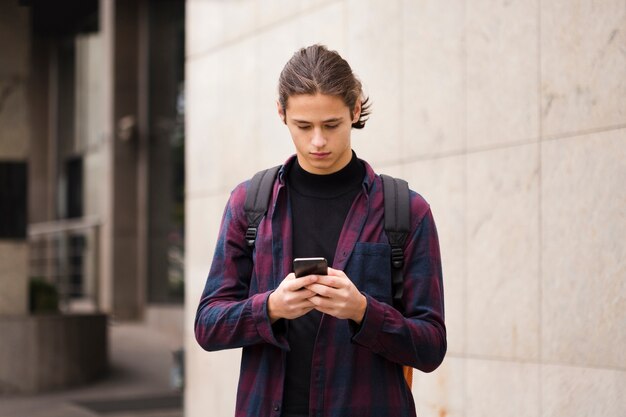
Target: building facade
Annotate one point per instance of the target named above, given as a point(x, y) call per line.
point(508, 117)
point(93, 106)
point(91, 171)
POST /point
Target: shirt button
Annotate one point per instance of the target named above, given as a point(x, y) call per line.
point(276, 408)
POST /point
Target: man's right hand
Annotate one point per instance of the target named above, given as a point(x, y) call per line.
point(291, 300)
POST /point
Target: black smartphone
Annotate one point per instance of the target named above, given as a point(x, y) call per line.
point(310, 266)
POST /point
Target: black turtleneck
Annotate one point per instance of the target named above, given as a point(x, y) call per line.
point(320, 204)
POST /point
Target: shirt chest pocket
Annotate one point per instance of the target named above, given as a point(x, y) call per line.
point(369, 268)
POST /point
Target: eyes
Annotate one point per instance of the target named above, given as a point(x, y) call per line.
point(328, 126)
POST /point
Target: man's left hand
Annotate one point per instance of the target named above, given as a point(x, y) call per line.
point(338, 296)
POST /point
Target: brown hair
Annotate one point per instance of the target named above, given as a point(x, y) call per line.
point(315, 69)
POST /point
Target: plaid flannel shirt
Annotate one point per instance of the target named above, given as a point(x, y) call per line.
point(356, 370)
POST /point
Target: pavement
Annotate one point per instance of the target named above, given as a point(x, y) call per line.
point(138, 384)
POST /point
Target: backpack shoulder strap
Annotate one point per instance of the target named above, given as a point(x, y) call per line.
point(257, 200)
point(397, 227)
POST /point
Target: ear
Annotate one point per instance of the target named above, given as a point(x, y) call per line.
point(357, 111)
point(281, 112)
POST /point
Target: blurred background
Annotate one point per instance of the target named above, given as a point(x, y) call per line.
point(125, 124)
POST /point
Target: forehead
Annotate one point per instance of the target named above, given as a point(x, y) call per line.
point(313, 106)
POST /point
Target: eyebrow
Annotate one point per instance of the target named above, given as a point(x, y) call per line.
point(331, 120)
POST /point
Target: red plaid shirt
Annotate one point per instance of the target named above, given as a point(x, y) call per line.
point(356, 370)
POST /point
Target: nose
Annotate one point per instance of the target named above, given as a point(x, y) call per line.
point(318, 140)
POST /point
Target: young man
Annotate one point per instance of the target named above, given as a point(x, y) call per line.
point(323, 345)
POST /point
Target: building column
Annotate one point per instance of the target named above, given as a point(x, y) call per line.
point(15, 134)
point(124, 232)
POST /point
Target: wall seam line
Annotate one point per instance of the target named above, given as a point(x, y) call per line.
point(465, 211)
point(258, 31)
point(584, 132)
point(540, 210)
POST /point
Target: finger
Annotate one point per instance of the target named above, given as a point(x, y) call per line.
point(288, 279)
point(323, 305)
point(298, 283)
point(303, 305)
point(332, 281)
point(303, 294)
point(299, 312)
point(318, 302)
point(321, 289)
point(336, 273)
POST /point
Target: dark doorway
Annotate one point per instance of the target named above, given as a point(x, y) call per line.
point(13, 191)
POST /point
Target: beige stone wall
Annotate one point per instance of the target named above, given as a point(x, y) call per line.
point(509, 118)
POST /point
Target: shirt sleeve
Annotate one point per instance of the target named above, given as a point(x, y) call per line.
point(416, 336)
point(227, 316)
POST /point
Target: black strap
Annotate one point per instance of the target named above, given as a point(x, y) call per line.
point(397, 228)
point(257, 200)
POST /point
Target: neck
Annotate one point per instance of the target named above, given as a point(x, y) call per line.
point(327, 185)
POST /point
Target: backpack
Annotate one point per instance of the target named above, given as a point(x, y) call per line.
point(397, 224)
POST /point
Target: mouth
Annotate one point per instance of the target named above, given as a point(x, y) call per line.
point(319, 155)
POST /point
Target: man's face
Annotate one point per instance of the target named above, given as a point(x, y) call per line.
point(320, 126)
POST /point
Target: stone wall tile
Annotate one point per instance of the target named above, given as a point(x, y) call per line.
point(211, 24)
point(275, 11)
point(502, 73)
point(441, 393)
point(204, 215)
point(201, 117)
point(324, 25)
point(579, 392)
point(502, 389)
point(583, 65)
point(584, 259)
point(433, 71)
point(374, 53)
point(216, 375)
point(503, 252)
point(203, 218)
point(273, 49)
point(222, 119)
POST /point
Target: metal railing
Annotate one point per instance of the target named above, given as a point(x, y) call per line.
point(66, 253)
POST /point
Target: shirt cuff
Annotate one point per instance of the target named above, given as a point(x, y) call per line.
point(263, 323)
point(367, 334)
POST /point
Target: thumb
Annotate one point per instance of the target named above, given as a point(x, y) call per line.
point(335, 272)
